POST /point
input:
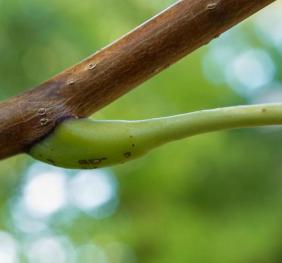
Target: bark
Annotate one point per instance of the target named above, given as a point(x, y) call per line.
point(111, 72)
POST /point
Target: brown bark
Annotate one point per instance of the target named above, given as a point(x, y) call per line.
point(111, 72)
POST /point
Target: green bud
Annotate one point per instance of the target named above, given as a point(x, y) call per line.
point(87, 144)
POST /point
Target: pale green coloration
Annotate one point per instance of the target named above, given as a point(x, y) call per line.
point(89, 144)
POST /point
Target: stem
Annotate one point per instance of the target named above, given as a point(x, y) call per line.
point(189, 124)
point(90, 144)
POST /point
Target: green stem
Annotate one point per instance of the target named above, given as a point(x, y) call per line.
point(189, 124)
point(91, 144)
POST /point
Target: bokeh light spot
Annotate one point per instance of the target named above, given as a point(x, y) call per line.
point(91, 253)
point(8, 248)
point(268, 26)
point(250, 71)
point(91, 190)
point(45, 193)
point(48, 250)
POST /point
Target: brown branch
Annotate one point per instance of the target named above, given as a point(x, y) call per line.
point(118, 68)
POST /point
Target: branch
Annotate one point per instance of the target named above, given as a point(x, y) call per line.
point(87, 87)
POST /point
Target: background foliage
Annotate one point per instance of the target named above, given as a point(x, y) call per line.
point(211, 198)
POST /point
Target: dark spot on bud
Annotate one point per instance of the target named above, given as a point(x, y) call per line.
point(83, 162)
point(127, 154)
point(92, 161)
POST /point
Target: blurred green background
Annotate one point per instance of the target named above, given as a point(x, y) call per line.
point(214, 198)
